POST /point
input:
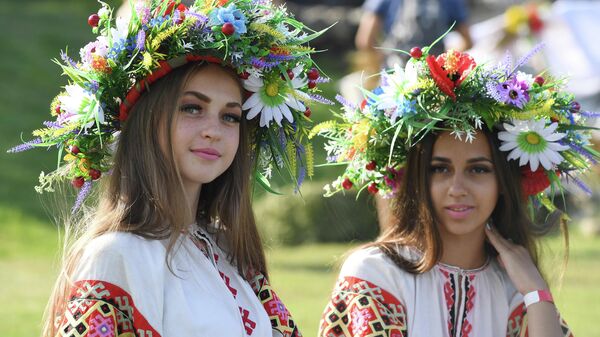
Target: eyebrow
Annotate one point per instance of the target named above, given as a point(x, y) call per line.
point(207, 99)
point(472, 160)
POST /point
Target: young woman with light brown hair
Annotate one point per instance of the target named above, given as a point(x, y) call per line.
point(166, 118)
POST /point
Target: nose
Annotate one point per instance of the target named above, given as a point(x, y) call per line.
point(210, 127)
point(457, 186)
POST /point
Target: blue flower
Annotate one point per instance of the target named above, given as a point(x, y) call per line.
point(229, 14)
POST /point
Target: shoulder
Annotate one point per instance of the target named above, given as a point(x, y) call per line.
point(124, 245)
point(372, 259)
point(117, 254)
point(373, 267)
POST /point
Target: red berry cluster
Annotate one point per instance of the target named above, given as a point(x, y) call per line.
point(313, 76)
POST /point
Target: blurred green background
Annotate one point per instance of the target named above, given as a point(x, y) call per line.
point(303, 267)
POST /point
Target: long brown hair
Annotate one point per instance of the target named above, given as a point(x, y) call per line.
point(144, 194)
point(417, 226)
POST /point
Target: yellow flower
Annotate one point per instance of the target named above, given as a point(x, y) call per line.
point(361, 133)
point(514, 18)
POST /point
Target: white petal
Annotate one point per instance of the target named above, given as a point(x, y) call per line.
point(294, 103)
point(299, 82)
point(551, 128)
point(545, 161)
point(506, 136)
point(524, 158)
point(534, 162)
point(268, 115)
point(557, 146)
point(277, 116)
point(554, 137)
point(254, 111)
point(252, 101)
point(508, 146)
point(554, 157)
point(515, 154)
point(287, 113)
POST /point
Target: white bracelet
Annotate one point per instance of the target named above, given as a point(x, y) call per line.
point(537, 296)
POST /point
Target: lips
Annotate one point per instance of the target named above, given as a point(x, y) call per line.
point(207, 153)
point(458, 211)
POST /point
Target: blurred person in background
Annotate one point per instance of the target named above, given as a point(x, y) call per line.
point(404, 24)
point(166, 117)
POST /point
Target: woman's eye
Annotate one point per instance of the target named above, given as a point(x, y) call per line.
point(232, 118)
point(191, 108)
point(481, 169)
point(438, 169)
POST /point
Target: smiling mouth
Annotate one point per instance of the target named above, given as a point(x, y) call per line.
point(459, 209)
point(209, 154)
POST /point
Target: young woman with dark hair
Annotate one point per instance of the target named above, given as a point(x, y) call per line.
point(441, 139)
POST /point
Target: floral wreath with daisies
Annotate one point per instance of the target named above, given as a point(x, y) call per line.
point(544, 128)
point(267, 48)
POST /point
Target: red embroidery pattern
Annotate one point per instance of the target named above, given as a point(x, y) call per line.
point(518, 321)
point(450, 294)
point(467, 327)
point(359, 308)
point(101, 309)
point(279, 315)
point(227, 281)
point(249, 324)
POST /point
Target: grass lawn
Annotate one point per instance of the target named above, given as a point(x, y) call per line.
point(303, 277)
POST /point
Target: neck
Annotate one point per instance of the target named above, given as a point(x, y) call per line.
point(465, 252)
point(192, 195)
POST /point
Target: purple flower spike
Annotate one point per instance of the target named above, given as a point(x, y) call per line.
point(140, 40)
point(83, 193)
point(347, 104)
point(25, 146)
point(590, 114)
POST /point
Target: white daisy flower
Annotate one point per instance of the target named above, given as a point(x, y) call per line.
point(532, 142)
point(273, 97)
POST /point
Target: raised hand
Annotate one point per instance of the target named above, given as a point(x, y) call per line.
point(518, 263)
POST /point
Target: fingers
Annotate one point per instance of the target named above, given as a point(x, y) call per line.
point(500, 243)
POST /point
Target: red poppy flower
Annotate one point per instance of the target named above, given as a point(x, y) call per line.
point(449, 70)
point(535, 22)
point(533, 183)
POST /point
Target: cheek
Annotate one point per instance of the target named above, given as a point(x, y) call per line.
point(233, 137)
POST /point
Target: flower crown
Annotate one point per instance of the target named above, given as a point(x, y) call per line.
point(543, 126)
point(265, 46)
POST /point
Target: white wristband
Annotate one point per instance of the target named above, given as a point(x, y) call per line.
point(537, 296)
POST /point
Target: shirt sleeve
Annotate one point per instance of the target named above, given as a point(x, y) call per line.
point(517, 323)
point(114, 290)
point(378, 7)
point(456, 10)
point(360, 308)
point(281, 320)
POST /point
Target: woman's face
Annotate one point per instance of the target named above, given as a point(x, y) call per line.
point(206, 129)
point(464, 189)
